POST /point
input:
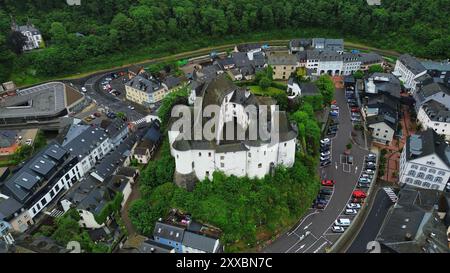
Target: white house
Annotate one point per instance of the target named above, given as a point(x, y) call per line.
point(436, 116)
point(252, 158)
point(382, 128)
point(408, 68)
point(425, 161)
point(32, 34)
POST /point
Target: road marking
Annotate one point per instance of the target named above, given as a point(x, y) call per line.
point(307, 226)
point(315, 212)
point(320, 247)
point(336, 165)
point(302, 246)
point(356, 169)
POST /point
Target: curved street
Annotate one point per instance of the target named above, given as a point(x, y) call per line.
point(319, 222)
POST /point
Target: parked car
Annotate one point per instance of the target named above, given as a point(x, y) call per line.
point(342, 222)
point(373, 160)
point(29, 141)
point(321, 201)
point(83, 89)
point(325, 163)
point(328, 183)
point(320, 206)
point(371, 155)
point(337, 229)
point(325, 141)
point(350, 211)
point(369, 171)
point(334, 107)
point(363, 185)
point(353, 206)
point(355, 110)
point(364, 180)
point(323, 197)
point(359, 194)
point(325, 158)
point(326, 191)
point(357, 200)
point(325, 153)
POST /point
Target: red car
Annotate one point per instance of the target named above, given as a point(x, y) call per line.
point(359, 194)
point(355, 109)
point(357, 200)
point(334, 102)
point(328, 183)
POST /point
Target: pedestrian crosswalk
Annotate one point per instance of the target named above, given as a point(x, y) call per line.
point(390, 192)
point(55, 213)
point(146, 119)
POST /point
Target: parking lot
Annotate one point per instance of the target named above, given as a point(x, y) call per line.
point(313, 233)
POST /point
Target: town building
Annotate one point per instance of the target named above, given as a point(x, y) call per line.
point(296, 89)
point(41, 103)
point(435, 115)
point(415, 224)
point(297, 45)
point(32, 34)
point(432, 91)
point(323, 44)
point(369, 59)
point(408, 68)
point(145, 91)
point(198, 158)
point(384, 83)
point(282, 63)
point(382, 128)
point(425, 161)
point(185, 235)
point(144, 149)
point(439, 71)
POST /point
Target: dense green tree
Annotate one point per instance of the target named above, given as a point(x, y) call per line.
point(375, 68)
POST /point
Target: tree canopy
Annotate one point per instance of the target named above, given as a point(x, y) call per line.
point(114, 29)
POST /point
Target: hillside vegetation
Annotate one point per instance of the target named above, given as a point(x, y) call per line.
point(103, 32)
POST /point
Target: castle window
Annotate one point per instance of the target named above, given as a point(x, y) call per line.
point(260, 165)
point(193, 164)
point(199, 154)
point(222, 165)
point(209, 154)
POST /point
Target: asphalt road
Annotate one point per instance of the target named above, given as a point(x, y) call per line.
point(103, 99)
point(319, 222)
point(372, 225)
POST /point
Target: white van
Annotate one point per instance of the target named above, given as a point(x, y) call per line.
point(343, 222)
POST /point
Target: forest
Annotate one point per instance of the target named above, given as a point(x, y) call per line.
point(100, 33)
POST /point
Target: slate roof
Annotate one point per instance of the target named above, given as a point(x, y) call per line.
point(281, 58)
point(370, 58)
point(141, 83)
point(151, 246)
point(199, 242)
point(439, 66)
point(169, 232)
point(84, 143)
point(380, 118)
point(172, 82)
point(241, 59)
point(429, 143)
point(412, 226)
point(411, 63)
point(8, 207)
point(305, 43)
point(308, 89)
point(436, 111)
point(21, 185)
point(434, 88)
point(7, 138)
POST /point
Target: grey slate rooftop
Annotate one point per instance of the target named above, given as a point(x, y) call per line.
point(436, 111)
point(412, 63)
point(412, 225)
point(143, 84)
point(426, 143)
